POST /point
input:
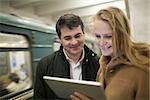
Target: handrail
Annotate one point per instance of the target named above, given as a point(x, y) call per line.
point(24, 96)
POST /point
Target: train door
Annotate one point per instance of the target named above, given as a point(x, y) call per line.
point(15, 65)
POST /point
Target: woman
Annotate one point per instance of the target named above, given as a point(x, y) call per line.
point(124, 70)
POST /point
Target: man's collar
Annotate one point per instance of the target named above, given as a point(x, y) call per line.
point(69, 59)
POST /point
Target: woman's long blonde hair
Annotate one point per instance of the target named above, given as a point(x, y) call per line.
point(124, 47)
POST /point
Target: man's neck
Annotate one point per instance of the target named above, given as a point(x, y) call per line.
point(75, 58)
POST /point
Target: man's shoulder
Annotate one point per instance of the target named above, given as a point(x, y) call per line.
point(90, 53)
point(50, 56)
point(48, 61)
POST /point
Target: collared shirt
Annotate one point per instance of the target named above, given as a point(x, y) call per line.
point(75, 68)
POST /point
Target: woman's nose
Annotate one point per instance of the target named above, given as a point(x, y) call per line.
point(101, 42)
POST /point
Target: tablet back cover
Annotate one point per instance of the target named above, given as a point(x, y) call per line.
point(63, 87)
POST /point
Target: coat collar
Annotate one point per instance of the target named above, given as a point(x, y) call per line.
point(109, 62)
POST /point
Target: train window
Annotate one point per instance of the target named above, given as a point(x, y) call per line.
point(56, 44)
point(15, 64)
point(10, 41)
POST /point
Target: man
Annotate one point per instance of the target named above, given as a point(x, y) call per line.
point(73, 60)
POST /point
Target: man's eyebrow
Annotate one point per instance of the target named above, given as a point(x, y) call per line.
point(67, 37)
point(70, 36)
point(77, 34)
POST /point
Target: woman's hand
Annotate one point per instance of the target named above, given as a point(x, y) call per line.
point(79, 96)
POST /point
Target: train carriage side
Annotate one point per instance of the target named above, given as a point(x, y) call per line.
point(40, 40)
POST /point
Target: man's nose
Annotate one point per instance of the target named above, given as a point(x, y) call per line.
point(74, 41)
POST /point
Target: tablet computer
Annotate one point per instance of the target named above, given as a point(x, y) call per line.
point(63, 87)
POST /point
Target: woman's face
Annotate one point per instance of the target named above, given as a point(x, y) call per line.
point(103, 33)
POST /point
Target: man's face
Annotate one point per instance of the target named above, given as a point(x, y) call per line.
point(72, 40)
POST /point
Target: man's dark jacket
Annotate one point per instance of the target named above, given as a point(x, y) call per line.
point(56, 65)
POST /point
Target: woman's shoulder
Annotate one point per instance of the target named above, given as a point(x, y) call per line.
point(132, 69)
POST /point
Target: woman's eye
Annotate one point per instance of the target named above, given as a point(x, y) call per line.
point(98, 36)
point(108, 37)
point(104, 36)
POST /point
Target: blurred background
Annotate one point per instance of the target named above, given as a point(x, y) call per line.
point(27, 33)
point(48, 11)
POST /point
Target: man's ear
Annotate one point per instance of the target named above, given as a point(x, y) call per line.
point(60, 41)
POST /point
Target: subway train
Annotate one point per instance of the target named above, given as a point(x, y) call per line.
point(22, 44)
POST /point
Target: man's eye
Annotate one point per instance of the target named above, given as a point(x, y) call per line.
point(77, 36)
point(67, 38)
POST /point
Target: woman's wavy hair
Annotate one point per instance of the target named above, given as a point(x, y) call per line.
point(124, 47)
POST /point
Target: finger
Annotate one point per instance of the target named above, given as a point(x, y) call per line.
point(74, 97)
point(81, 96)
